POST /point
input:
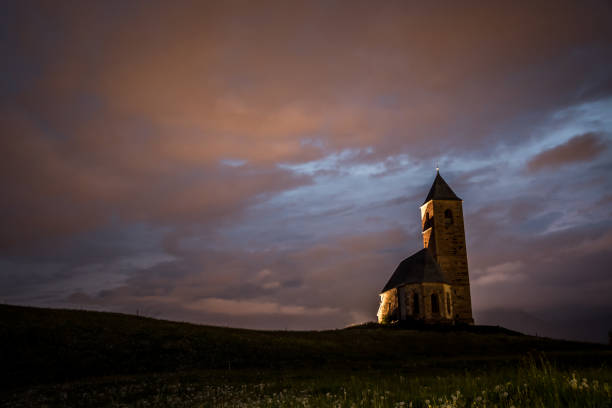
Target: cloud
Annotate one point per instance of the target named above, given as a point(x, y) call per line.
point(132, 115)
point(505, 272)
point(233, 286)
point(592, 245)
point(255, 81)
point(580, 148)
point(274, 153)
point(56, 188)
point(253, 307)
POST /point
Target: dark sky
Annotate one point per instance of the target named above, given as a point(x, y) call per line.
point(261, 164)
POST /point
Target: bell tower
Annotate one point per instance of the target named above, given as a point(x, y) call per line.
point(444, 235)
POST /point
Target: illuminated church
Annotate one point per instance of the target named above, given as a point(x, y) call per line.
point(433, 285)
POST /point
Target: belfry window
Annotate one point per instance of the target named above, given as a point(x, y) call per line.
point(427, 223)
point(435, 306)
point(448, 217)
point(448, 303)
point(415, 304)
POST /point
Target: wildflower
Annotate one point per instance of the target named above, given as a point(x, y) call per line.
point(584, 384)
point(478, 398)
point(573, 382)
point(505, 394)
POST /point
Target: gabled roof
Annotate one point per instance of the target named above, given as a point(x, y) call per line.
point(420, 267)
point(440, 190)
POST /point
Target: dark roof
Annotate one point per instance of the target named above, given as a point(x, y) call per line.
point(440, 190)
point(420, 267)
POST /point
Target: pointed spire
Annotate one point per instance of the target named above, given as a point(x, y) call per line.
point(440, 190)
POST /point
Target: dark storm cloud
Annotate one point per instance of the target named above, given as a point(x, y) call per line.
point(331, 281)
point(262, 163)
point(57, 187)
point(578, 149)
point(255, 74)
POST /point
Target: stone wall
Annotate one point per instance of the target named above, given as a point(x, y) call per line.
point(399, 304)
point(444, 235)
point(427, 224)
point(388, 308)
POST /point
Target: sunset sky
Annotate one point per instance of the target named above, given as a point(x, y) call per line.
point(261, 164)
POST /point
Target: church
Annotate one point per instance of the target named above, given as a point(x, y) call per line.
point(433, 285)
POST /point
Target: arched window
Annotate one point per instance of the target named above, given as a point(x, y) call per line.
point(435, 305)
point(415, 304)
point(448, 304)
point(427, 222)
point(448, 217)
point(407, 302)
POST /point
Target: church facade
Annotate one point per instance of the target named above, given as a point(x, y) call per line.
point(433, 285)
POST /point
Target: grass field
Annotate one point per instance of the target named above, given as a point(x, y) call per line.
point(77, 358)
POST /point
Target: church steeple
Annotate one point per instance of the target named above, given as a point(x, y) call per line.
point(433, 285)
point(444, 236)
point(440, 190)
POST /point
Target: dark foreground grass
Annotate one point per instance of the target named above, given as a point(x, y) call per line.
point(77, 358)
point(532, 383)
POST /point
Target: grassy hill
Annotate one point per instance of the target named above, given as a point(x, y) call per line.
point(53, 346)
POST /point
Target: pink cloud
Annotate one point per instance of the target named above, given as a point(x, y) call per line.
point(255, 307)
point(578, 149)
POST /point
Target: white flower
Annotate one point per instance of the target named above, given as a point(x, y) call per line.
point(573, 382)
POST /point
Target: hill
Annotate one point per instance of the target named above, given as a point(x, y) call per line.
point(576, 324)
point(48, 345)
